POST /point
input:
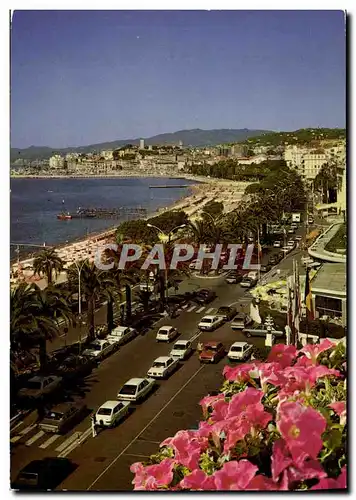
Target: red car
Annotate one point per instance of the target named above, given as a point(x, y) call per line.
point(212, 352)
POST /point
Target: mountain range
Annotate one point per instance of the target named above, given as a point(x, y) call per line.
point(195, 137)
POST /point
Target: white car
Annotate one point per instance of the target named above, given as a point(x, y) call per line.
point(99, 348)
point(298, 237)
point(181, 349)
point(291, 244)
point(135, 389)
point(121, 335)
point(166, 334)
point(210, 322)
point(286, 249)
point(162, 367)
point(277, 244)
point(109, 414)
point(239, 351)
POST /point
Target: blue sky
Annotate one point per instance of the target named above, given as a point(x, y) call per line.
point(83, 77)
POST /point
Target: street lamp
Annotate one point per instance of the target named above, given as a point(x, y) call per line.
point(168, 237)
point(79, 268)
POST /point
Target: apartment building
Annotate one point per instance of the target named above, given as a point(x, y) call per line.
point(312, 163)
point(293, 156)
point(57, 162)
point(107, 154)
point(252, 159)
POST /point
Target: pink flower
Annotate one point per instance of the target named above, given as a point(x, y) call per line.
point(208, 401)
point(235, 430)
point(220, 409)
point(240, 373)
point(312, 351)
point(235, 475)
point(280, 460)
point(340, 483)
point(302, 379)
point(153, 477)
point(198, 480)
point(261, 482)
point(310, 469)
point(241, 401)
point(282, 354)
point(301, 427)
point(340, 409)
point(187, 446)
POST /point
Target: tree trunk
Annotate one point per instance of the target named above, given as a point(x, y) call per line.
point(162, 290)
point(110, 315)
point(128, 302)
point(91, 320)
point(49, 275)
point(42, 348)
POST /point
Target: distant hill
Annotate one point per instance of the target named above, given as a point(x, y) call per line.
point(301, 136)
point(195, 137)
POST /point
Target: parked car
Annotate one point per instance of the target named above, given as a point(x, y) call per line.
point(291, 230)
point(249, 281)
point(298, 237)
point(62, 417)
point(286, 249)
point(262, 332)
point(209, 323)
point(39, 386)
point(110, 413)
point(99, 349)
point(227, 312)
point(43, 475)
point(212, 352)
point(204, 296)
point(233, 277)
point(240, 351)
point(135, 389)
point(181, 349)
point(294, 225)
point(162, 367)
point(264, 268)
point(291, 244)
point(166, 333)
point(75, 367)
point(310, 219)
point(277, 244)
point(241, 321)
point(120, 335)
point(273, 260)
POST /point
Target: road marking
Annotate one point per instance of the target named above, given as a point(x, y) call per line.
point(22, 433)
point(200, 309)
point(191, 309)
point(146, 427)
point(195, 336)
point(34, 438)
point(68, 441)
point(81, 437)
point(210, 310)
point(49, 441)
point(17, 425)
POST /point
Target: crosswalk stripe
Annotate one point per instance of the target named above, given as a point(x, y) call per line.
point(200, 310)
point(34, 438)
point(16, 438)
point(68, 441)
point(210, 310)
point(49, 441)
point(191, 309)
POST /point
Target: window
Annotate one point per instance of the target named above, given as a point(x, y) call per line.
point(328, 306)
point(104, 411)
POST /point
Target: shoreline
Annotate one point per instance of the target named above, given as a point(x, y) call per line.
point(199, 194)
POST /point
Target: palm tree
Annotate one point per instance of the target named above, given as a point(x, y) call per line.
point(48, 263)
point(35, 318)
point(94, 284)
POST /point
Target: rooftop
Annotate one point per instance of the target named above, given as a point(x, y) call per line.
point(330, 277)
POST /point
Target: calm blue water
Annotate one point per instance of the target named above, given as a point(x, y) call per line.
point(36, 202)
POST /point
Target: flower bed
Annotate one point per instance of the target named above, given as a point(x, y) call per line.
point(275, 425)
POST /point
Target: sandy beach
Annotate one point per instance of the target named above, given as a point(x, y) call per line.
point(228, 192)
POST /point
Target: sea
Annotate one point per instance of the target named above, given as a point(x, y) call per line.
point(35, 203)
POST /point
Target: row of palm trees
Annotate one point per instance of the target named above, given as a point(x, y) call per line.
point(38, 315)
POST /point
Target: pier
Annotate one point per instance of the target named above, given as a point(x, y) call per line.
point(103, 213)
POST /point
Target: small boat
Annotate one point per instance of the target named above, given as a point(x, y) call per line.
point(64, 216)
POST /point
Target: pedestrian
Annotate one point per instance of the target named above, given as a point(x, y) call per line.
point(200, 347)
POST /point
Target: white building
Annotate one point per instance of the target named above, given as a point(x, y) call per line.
point(312, 164)
point(107, 154)
point(56, 161)
point(293, 156)
point(252, 159)
point(142, 143)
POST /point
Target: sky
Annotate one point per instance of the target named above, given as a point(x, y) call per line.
point(85, 77)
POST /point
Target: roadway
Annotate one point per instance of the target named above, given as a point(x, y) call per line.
point(104, 461)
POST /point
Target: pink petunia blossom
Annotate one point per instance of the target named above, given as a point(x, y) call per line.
point(220, 410)
point(198, 480)
point(303, 378)
point(340, 409)
point(187, 446)
point(340, 483)
point(281, 458)
point(310, 469)
point(240, 373)
point(282, 354)
point(241, 401)
point(153, 477)
point(235, 429)
point(261, 483)
point(301, 427)
point(272, 373)
point(235, 475)
point(312, 351)
point(208, 401)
